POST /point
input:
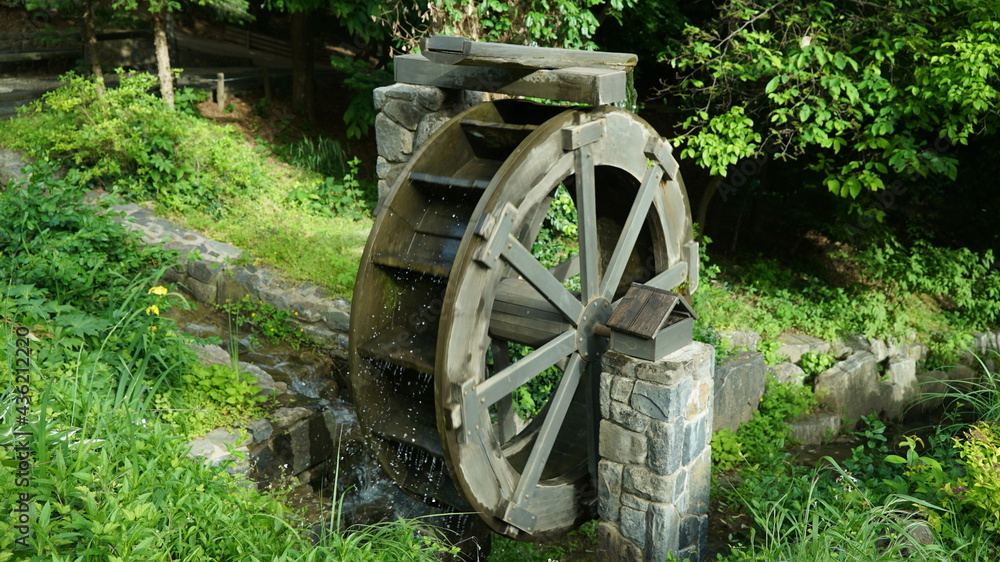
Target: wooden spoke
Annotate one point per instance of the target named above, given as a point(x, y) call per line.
point(506, 424)
point(630, 233)
point(587, 222)
point(566, 269)
point(501, 384)
point(550, 429)
point(542, 280)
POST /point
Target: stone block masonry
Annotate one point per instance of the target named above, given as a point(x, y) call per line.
point(655, 465)
point(407, 116)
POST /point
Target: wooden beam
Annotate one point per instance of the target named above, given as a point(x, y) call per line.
point(444, 49)
point(593, 86)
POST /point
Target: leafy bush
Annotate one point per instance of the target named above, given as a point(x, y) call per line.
point(224, 385)
point(130, 142)
point(727, 451)
point(769, 429)
point(362, 79)
point(53, 240)
point(271, 323)
point(979, 488)
point(813, 363)
point(330, 197)
point(964, 282)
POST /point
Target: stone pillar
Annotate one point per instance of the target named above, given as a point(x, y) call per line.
point(407, 115)
point(655, 467)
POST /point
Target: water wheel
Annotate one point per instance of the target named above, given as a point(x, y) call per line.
point(453, 313)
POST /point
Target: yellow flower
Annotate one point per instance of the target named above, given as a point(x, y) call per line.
point(158, 291)
point(153, 310)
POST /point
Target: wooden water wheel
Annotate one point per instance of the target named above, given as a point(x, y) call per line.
point(453, 312)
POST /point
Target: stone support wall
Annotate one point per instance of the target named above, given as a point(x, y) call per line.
point(407, 116)
point(655, 467)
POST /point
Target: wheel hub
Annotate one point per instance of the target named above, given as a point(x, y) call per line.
point(590, 345)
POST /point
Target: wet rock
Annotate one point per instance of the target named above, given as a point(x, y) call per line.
point(285, 417)
point(739, 385)
point(264, 380)
point(260, 430)
point(851, 388)
point(900, 386)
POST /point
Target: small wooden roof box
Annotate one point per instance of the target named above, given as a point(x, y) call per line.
point(651, 323)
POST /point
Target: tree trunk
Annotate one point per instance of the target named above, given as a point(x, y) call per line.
point(163, 56)
point(302, 64)
point(93, 51)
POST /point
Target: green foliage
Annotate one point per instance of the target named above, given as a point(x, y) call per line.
point(769, 349)
point(569, 24)
point(322, 155)
point(575, 546)
point(330, 197)
point(362, 79)
point(965, 283)
point(867, 90)
point(768, 431)
point(557, 239)
point(530, 398)
point(53, 240)
point(818, 517)
point(979, 488)
point(271, 323)
point(129, 142)
point(727, 451)
point(813, 363)
point(707, 334)
point(109, 481)
point(938, 294)
point(223, 385)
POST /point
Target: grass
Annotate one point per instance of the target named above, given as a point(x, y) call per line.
point(109, 479)
point(273, 232)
